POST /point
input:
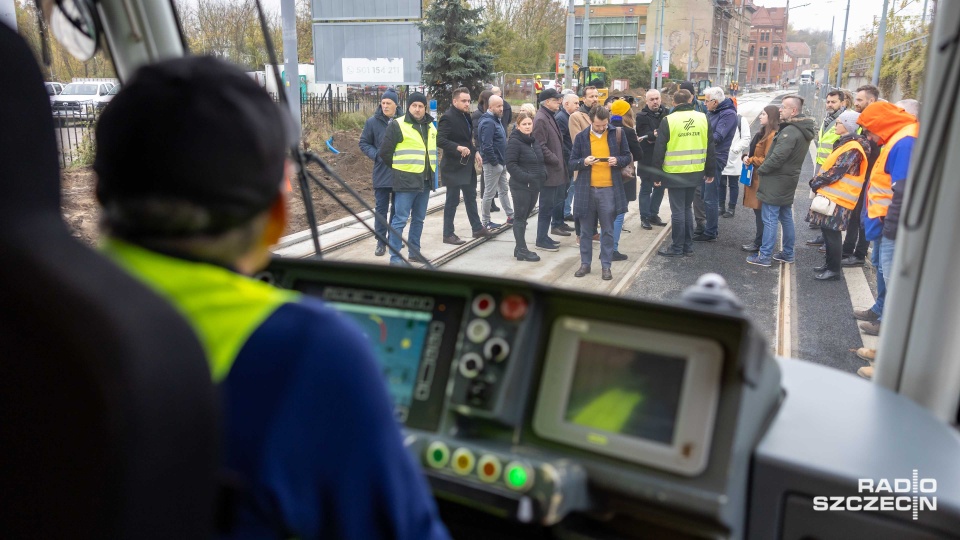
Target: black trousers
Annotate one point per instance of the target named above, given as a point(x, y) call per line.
point(681, 217)
point(469, 202)
point(856, 242)
point(549, 196)
point(831, 239)
point(384, 200)
point(523, 203)
point(758, 215)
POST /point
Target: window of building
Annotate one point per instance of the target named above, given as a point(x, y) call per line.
point(763, 52)
point(751, 50)
point(776, 50)
point(643, 29)
point(762, 67)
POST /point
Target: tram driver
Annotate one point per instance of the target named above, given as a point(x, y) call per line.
point(191, 157)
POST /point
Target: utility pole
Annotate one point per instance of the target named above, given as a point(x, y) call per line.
point(660, 48)
point(585, 39)
point(690, 55)
point(736, 70)
point(568, 50)
point(718, 82)
point(843, 44)
point(923, 17)
point(654, 53)
point(291, 64)
point(826, 70)
point(881, 37)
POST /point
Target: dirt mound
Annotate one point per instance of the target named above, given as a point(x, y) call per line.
point(81, 211)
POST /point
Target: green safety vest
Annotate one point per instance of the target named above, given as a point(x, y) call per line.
point(827, 140)
point(687, 147)
point(408, 155)
point(223, 307)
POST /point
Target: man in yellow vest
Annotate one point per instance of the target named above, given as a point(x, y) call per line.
point(301, 393)
point(410, 149)
point(683, 151)
point(896, 130)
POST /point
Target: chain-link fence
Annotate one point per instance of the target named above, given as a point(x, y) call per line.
point(815, 100)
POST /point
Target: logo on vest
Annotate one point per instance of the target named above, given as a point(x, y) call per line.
point(688, 125)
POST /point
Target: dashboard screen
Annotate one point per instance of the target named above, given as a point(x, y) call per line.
point(625, 391)
point(397, 337)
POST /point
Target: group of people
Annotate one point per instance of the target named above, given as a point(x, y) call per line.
point(541, 157)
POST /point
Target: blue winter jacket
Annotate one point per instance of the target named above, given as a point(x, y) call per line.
point(492, 139)
point(370, 141)
point(723, 122)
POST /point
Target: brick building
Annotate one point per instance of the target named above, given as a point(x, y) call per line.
point(768, 34)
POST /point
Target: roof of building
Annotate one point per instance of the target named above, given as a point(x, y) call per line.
point(765, 16)
point(798, 49)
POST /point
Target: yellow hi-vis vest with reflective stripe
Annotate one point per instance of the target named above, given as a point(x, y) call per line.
point(846, 191)
point(409, 153)
point(880, 192)
point(687, 147)
point(825, 146)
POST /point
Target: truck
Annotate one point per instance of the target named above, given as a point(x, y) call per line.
point(806, 77)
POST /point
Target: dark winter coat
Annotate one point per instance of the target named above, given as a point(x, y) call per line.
point(723, 121)
point(492, 139)
point(581, 150)
point(546, 130)
point(682, 180)
point(525, 162)
point(563, 122)
point(630, 186)
point(405, 181)
point(456, 129)
point(370, 141)
point(781, 168)
point(507, 116)
point(647, 122)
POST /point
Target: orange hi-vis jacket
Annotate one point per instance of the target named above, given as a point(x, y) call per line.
point(845, 191)
point(538, 86)
point(880, 192)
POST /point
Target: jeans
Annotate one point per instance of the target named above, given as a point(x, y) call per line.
point(758, 216)
point(617, 229)
point(469, 202)
point(833, 244)
point(496, 181)
point(549, 198)
point(711, 197)
point(383, 197)
point(601, 207)
point(728, 184)
point(887, 247)
point(568, 202)
point(650, 198)
point(772, 214)
point(875, 259)
point(856, 242)
point(681, 218)
point(407, 205)
point(524, 201)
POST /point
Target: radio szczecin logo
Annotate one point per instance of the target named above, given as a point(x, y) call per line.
point(885, 495)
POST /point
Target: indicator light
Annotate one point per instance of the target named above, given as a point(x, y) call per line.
point(438, 454)
point(518, 476)
point(463, 461)
point(488, 468)
point(513, 307)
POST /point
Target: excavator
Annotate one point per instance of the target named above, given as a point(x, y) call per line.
point(592, 76)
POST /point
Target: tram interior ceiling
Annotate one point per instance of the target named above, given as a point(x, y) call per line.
point(537, 412)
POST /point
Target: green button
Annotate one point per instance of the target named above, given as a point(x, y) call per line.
point(518, 476)
point(438, 454)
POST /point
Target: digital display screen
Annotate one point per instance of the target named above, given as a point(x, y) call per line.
point(398, 337)
point(625, 391)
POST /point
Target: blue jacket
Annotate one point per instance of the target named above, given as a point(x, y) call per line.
point(492, 139)
point(370, 141)
point(723, 122)
point(898, 165)
point(581, 150)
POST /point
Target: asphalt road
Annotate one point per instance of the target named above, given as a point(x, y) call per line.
point(823, 329)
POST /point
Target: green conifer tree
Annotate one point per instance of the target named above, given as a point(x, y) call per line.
point(454, 53)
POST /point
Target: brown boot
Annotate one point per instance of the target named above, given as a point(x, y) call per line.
point(867, 355)
point(584, 270)
point(866, 372)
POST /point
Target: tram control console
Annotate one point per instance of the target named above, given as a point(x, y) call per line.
point(545, 413)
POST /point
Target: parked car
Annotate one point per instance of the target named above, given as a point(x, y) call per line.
point(79, 99)
point(107, 98)
point(53, 89)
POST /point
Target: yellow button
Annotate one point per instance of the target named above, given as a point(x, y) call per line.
point(463, 461)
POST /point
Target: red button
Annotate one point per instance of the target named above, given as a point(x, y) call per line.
point(483, 304)
point(489, 469)
point(513, 307)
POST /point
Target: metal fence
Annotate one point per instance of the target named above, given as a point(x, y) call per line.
point(74, 130)
point(815, 100)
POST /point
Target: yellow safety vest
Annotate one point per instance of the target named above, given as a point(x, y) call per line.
point(827, 139)
point(687, 147)
point(880, 192)
point(846, 191)
point(409, 153)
